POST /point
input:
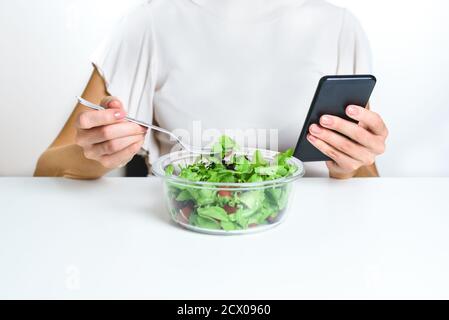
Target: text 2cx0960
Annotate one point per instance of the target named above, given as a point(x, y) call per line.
point(243, 309)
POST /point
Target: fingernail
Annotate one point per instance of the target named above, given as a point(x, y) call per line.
point(352, 111)
point(326, 120)
point(311, 138)
point(118, 115)
point(315, 129)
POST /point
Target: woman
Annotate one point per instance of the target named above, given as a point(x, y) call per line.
point(230, 64)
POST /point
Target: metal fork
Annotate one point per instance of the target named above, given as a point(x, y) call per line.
point(184, 145)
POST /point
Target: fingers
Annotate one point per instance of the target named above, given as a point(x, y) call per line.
point(114, 113)
point(350, 145)
point(355, 132)
point(372, 120)
point(106, 138)
point(92, 119)
point(343, 144)
point(343, 161)
point(121, 158)
point(96, 151)
point(88, 137)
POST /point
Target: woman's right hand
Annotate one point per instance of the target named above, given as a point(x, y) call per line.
point(106, 137)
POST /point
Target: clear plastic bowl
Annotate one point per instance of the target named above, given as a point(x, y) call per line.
point(250, 207)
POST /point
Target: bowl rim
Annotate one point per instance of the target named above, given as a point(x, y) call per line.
point(158, 171)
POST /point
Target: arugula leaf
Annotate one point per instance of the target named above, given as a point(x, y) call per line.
point(224, 145)
point(281, 158)
point(242, 165)
point(258, 159)
point(169, 170)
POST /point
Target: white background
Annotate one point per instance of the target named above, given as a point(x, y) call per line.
point(44, 63)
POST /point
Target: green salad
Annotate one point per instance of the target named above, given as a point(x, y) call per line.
point(230, 208)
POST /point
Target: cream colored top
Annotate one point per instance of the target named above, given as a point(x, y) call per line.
point(245, 68)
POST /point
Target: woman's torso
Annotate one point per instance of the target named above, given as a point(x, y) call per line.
point(243, 68)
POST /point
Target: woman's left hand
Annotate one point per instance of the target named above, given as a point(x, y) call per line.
point(356, 146)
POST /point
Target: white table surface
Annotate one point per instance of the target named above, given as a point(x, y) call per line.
point(112, 238)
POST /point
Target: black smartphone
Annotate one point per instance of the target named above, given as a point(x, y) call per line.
point(333, 95)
